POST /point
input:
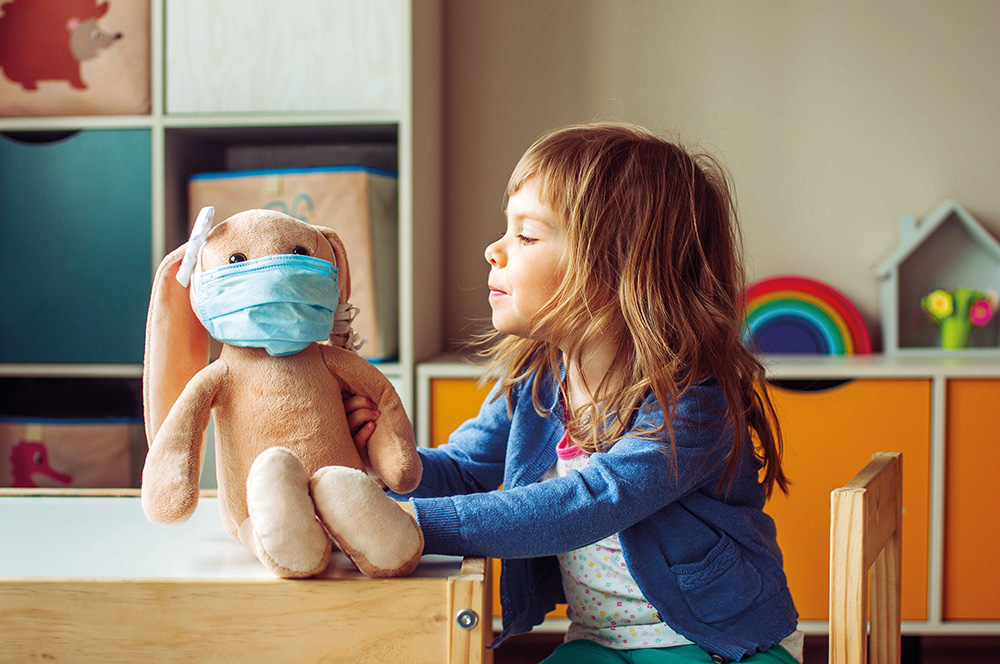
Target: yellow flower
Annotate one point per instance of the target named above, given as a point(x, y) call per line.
point(939, 304)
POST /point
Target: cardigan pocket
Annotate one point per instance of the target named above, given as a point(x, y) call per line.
point(721, 586)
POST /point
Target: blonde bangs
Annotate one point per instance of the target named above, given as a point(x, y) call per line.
point(554, 167)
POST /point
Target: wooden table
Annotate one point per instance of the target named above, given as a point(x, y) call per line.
point(84, 577)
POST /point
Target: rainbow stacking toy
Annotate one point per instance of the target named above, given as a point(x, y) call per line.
point(791, 314)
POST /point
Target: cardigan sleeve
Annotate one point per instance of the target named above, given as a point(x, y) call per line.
point(633, 480)
point(472, 461)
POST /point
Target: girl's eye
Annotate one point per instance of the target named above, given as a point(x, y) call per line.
point(299, 250)
point(237, 258)
point(524, 239)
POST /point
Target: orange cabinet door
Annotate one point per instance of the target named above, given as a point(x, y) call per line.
point(830, 435)
point(453, 401)
point(971, 527)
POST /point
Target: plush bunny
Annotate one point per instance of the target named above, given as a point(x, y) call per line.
point(290, 477)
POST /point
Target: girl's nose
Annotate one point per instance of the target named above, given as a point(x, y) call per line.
point(494, 254)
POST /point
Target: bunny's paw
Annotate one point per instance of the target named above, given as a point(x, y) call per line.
point(379, 537)
point(282, 529)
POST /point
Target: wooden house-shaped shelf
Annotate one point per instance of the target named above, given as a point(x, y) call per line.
point(947, 249)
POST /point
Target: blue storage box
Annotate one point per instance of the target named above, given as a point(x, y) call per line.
point(75, 252)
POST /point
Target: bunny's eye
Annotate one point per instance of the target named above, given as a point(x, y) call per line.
point(299, 250)
point(237, 258)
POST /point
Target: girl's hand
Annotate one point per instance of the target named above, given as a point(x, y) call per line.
point(361, 415)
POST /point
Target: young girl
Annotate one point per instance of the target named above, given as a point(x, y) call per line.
point(629, 425)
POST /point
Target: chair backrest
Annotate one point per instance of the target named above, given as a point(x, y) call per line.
point(865, 528)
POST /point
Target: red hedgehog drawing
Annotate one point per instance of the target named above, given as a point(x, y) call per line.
point(46, 40)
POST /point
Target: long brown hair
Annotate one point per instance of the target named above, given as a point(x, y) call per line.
point(656, 256)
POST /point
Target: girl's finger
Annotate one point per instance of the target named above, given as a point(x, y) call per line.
point(359, 418)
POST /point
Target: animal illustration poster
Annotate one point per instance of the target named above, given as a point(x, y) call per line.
point(74, 57)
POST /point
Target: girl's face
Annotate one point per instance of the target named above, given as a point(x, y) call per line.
point(527, 263)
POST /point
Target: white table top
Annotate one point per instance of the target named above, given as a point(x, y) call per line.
point(109, 537)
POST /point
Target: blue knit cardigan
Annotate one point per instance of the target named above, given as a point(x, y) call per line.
point(704, 555)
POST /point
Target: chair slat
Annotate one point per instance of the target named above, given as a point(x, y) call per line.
point(865, 540)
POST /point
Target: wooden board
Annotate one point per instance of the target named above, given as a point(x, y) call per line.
point(87, 578)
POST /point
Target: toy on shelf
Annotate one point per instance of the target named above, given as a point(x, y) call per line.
point(948, 252)
point(270, 287)
point(957, 311)
point(794, 314)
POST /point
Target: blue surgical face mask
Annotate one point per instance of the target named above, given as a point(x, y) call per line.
point(279, 303)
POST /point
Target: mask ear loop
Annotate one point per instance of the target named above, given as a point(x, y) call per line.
point(343, 335)
point(199, 235)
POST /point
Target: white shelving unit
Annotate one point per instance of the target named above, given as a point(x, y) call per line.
point(196, 141)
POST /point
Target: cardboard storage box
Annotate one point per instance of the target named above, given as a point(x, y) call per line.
point(360, 204)
point(68, 453)
point(71, 432)
point(74, 57)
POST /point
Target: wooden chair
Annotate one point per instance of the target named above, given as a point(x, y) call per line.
point(865, 529)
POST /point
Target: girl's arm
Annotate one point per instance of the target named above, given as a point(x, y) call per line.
point(620, 488)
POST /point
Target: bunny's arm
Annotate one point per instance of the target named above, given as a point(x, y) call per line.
point(392, 448)
point(173, 464)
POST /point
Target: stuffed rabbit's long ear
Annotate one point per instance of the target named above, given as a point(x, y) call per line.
point(343, 269)
point(176, 344)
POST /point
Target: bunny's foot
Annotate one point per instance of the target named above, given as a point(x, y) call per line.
point(282, 530)
point(367, 525)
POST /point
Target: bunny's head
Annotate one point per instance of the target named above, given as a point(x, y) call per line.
point(260, 279)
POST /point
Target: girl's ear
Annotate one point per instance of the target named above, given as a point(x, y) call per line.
point(176, 344)
point(343, 269)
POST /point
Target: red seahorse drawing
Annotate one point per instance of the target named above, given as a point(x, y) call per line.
point(29, 458)
point(46, 40)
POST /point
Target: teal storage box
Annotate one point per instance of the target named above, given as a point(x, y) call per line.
point(75, 252)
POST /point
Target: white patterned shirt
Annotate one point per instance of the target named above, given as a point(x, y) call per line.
point(604, 602)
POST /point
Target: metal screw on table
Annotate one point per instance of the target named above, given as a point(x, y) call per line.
point(467, 619)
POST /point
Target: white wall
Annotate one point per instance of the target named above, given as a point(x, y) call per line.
point(834, 118)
